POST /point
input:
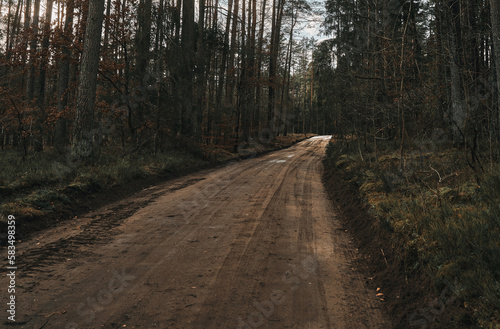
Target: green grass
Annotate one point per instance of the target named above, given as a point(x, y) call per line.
point(449, 228)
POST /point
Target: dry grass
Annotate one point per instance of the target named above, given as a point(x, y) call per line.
point(442, 218)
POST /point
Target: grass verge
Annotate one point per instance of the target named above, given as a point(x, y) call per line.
point(430, 228)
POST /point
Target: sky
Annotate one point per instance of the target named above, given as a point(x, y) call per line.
point(313, 27)
point(308, 29)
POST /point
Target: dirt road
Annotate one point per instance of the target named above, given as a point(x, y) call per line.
point(255, 244)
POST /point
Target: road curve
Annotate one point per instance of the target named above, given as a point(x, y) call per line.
point(255, 244)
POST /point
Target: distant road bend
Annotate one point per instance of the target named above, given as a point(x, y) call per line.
point(255, 244)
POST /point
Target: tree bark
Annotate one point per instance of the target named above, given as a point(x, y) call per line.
point(201, 64)
point(458, 108)
point(63, 81)
point(45, 53)
point(143, 42)
point(222, 73)
point(40, 83)
point(258, 91)
point(27, 20)
point(30, 88)
point(495, 23)
point(186, 70)
point(232, 52)
point(83, 146)
point(278, 6)
point(106, 25)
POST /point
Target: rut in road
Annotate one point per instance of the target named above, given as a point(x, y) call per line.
point(255, 244)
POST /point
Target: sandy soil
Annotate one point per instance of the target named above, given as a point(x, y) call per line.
point(255, 244)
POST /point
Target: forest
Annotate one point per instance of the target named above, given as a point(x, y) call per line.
point(95, 92)
point(216, 73)
point(414, 70)
point(411, 91)
point(228, 73)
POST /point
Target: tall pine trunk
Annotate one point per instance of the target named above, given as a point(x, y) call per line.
point(458, 108)
point(278, 7)
point(495, 23)
point(30, 88)
point(63, 80)
point(188, 124)
point(258, 89)
point(83, 145)
point(40, 83)
point(143, 41)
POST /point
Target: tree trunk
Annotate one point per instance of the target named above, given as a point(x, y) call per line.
point(252, 26)
point(106, 25)
point(222, 73)
point(40, 83)
point(143, 41)
point(287, 72)
point(45, 54)
point(257, 113)
point(8, 34)
point(186, 70)
point(200, 69)
point(27, 20)
point(232, 52)
point(16, 24)
point(82, 145)
point(158, 133)
point(273, 60)
point(458, 108)
point(13, 26)
point(63, 82)
point(30, 88)
point(243, 85)
point(495, 23)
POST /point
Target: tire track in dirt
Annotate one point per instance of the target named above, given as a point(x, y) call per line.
point(255, 244)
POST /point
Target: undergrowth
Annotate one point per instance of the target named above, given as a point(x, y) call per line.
point(38, 184)
point(442, 216)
